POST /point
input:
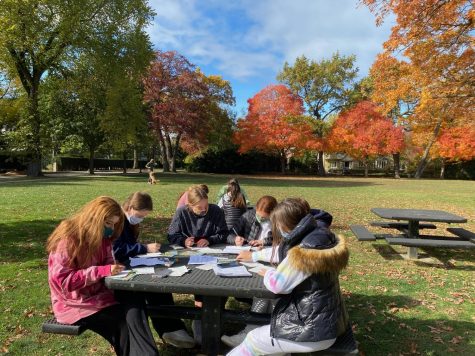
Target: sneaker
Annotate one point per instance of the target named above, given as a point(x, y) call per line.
point(235, 340)
point(196, 328)
point(180, 339)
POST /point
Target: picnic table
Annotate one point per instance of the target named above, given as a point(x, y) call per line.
point(212, 288)
point(417, 220)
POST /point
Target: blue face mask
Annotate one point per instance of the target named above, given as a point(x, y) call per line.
point(108, 231)
point(133, 220)
point(285, 235)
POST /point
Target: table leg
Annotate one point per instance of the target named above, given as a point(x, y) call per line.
point(211, 324)
point(413, 233)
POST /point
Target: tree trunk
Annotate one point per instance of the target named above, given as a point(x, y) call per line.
point(282, 162)
point(321, 166)
point(163, 154)
point(397, 165)
point(442, 169)
point(366, 164)
point(136, 160)
point(34, 166)
point(174, 149)
point(91, 161)
point(124, 162)
point(424, 160)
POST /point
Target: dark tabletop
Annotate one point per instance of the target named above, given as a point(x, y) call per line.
point(419, 215)
point(195, 282)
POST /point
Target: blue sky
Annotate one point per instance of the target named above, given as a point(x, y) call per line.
point(248, 41)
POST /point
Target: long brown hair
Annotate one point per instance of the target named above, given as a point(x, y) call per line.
point(236, 197)
point(84, 231)
point(287, 214)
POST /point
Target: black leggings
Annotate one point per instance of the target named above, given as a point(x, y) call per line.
point(125, 327)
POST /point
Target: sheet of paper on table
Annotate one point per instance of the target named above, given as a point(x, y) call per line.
point(207, 250)
point(144, 270)
point(149, 255)
point(236, 250)
point(178, 271)
point(239, 271)
point(206, 267)
point(260, 267)
point(177, 247)
point(202, 259)
point(251, 264)
point(134, 262)
point(125, 274)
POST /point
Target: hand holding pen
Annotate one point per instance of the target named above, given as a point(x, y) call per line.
point(239, 240)
point(189, 241)
point(116, 268)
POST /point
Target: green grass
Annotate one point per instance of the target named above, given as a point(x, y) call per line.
point(397, 306)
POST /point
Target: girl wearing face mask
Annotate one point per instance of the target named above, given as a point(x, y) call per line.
point(198, 223)
point(310, 313)
point(254, 226)
point(80, 256)
point(136, 207)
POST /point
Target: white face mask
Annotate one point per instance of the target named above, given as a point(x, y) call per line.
point(133, 220)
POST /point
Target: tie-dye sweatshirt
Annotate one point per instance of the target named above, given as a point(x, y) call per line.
point(77, 293)
point(284, 278)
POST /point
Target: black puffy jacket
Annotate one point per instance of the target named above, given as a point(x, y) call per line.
point(314, 310)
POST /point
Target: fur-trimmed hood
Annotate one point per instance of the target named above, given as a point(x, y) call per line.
point(313, 260)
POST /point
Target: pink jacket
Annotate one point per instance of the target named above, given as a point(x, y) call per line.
point(77, 293)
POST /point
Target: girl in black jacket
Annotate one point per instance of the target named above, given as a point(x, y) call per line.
point(310, 312)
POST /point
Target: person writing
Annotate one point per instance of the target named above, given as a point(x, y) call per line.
point(80, 257)
point(254, 226)
point(136, 207)
point(183, 200)
point(198, 222)
point(310, 313)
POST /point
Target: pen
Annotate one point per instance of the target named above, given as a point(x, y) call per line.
point(113, 256)
point(245, 240)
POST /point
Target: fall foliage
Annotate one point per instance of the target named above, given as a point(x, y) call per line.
point(434, 76)
point(363, 133)
point(274, 124)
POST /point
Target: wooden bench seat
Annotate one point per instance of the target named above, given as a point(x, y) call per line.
point(54, 327)
point(426, 242)
point(400, 225)
point(464, 234)
point(362, 233)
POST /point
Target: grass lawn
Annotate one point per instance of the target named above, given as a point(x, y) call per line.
point(397, 307)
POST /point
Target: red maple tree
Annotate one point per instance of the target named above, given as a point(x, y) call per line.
point(364, 134)
point(274, 124)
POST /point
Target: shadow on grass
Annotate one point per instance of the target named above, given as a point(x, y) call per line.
point(383, 325)
point(186, 179)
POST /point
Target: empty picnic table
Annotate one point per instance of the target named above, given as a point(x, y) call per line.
point(414, 217)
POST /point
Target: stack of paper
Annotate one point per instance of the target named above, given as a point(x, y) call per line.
point(149, 255)
point(202, 259)
point(144, 270)
point(207, 250)
point(140, 261)
point(240, 271)
point(236, 250)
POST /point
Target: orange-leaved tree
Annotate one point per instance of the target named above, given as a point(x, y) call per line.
point(274, 124)
point(434, 70)
point(364, 133)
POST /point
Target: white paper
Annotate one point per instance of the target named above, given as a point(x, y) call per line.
point(151, 254)
point(205, 267)
point(207, 250)
point(121, 275)
point(240, 271)
point(177, 247)
point(202, 260)
point(251, 264)
point(144, 270)
point(178, 271)
point(236, 250)
point(259, 268)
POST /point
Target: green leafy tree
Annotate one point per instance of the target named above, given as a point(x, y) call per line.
point(39, 36)
point(325, 87)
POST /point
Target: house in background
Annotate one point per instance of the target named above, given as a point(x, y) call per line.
point(341, 163)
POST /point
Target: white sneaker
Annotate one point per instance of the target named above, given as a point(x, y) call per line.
point(235, 340)
point(180, 339)
point(196, 328)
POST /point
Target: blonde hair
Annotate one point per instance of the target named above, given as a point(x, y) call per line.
point(84, 231)
point(196, 193)
point(138, 201)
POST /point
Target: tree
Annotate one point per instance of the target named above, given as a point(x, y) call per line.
point(325, 87)
point(40, 36)
point(274, 124)
point(185, 105)
point(434, 75)
point(364, 134)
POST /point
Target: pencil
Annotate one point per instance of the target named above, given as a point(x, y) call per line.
point(113, 256)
